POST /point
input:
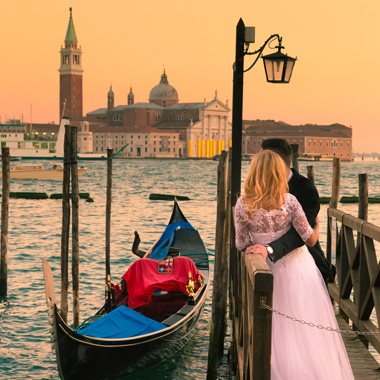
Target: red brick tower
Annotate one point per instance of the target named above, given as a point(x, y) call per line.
point(70, 76)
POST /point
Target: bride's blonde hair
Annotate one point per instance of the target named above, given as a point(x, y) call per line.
point(266, 182)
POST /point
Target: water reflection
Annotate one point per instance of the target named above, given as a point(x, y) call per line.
point(35, 232)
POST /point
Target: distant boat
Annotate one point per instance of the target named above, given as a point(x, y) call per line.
point(38, 171)
point(314, 157)
point(13, 158)
point(22, 146)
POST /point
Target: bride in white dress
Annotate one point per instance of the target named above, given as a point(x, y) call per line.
point(264, 213)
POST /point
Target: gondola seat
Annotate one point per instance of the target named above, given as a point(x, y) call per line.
point(146, 276)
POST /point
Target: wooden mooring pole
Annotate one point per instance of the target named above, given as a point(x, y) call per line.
point(220, 282)
point(362, 214)
point(294, 148)
point(4, 222)
point(335, 183)
point(65, 224)
point(333, 203)
point(363, 196)
point(108, 214)
point(310, 173)
point(75, 225)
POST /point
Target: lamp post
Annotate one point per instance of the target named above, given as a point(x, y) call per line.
point(278, 69)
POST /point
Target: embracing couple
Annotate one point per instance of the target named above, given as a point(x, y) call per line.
point(277, 217)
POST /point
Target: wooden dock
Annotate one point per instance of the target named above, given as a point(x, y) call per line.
point(363, 364)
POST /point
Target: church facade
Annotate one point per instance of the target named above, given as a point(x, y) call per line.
point(199, 129)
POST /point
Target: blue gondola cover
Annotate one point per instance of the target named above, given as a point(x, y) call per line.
point(121, 323)
point(161, 248)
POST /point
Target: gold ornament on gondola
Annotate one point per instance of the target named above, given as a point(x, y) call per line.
point(190, 287)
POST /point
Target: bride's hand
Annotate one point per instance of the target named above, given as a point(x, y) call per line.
point(257, 248)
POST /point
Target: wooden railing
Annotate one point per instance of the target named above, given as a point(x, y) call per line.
point(357, 290)
point(251, 286)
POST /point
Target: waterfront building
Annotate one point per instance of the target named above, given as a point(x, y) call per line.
point(131, 141)
point(319, 142)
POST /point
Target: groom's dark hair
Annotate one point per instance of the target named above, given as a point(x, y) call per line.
point(281, 147)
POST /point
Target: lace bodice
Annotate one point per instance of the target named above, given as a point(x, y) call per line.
point(263, 227)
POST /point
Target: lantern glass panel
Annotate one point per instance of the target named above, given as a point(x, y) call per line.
point(278, 67)
point(274, 70)
point(268, 69)
point(289, 70)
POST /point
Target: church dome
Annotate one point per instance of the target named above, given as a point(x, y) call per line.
point(163, 94)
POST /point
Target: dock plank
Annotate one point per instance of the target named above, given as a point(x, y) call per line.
point(363, 364)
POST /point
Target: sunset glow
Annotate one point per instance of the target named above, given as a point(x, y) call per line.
point(127, 44)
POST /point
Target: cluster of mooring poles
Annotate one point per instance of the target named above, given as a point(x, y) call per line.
point(71, 171)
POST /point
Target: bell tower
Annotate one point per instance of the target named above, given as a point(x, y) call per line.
point(71, 76)
point(110, 99)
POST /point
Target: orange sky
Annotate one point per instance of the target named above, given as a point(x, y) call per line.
point(127, 44)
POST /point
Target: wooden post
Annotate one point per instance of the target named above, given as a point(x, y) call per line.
point(310, 173)
point(362, 214)
point(252, 324)
point(237, 112)
point(220, 283)
point(363, 196)
point(259, 343)
point(108, 213)
point(295, 156)
point(65, 224)
point(75, 225)
point(4, 222)
point(335, 183)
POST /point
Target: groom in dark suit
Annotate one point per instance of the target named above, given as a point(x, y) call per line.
point(306, 193)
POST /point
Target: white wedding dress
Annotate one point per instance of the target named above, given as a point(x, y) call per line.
point(299, 352)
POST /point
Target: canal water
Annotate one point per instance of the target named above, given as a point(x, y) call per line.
point(35, 230)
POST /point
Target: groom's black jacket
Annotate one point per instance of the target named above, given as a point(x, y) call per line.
point(306, 193)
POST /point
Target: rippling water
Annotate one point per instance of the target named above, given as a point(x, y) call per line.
point(35, 230)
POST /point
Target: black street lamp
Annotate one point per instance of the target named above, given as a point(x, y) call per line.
point(278, 69)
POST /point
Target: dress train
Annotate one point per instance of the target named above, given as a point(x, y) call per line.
point(301, 352)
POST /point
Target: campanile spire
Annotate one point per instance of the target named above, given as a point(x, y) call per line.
point(71, 73)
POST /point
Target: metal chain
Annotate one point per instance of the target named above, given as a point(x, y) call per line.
point(294, 319)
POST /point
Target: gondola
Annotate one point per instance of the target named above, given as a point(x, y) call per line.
point(171, 313)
